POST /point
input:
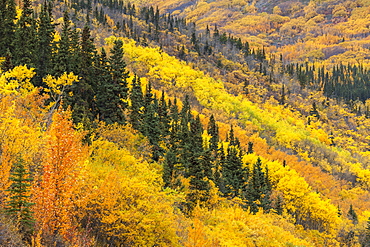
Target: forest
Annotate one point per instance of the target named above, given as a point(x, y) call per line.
point(202, 123)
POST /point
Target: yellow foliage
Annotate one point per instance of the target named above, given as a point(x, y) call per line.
point(17, 81)
point(123, 194)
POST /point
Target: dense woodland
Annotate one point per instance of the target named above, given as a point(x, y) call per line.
point(184, 123)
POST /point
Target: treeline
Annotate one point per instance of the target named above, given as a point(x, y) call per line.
point(146, 24)
point(347, 82)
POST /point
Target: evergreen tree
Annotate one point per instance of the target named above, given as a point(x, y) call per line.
point(258, 189)
point(279, 205)
point(137, 103)
point(164, 118)
point(250, 148)
point(63, 57)
point(213, 131)
point(233, 174)
point(25, 37)
point(45, 36)
point(199, 167)
point(170, 160)
point(112, 90)
point(19, 205)
point(7, 64)
point(82, 99)
point(185, 148)
point(352, 215)
point(366, 238)
point(117, 90)
point(151, 124)
point(7, 25)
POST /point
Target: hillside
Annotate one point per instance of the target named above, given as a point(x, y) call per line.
point(184, 123)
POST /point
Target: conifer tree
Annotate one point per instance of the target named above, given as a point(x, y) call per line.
point(25, 37)
point(137, 103)
point(258, 189)
point(366, 239)
point(213, 131)
point(7, 25)
point(82, 99)
point(19, 205)
point(45, 36)
point(199, 167)
point(151, 126)
point(232, 172)
point(63, 57)
point(116, 90)
point(164, 118)
point(352, 214)
point(279, 205)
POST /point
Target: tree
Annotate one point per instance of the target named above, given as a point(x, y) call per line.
point(25, 37)
point(199, 166)
point(43, 49)
point(137, 103)
point(63, 59)
point(19, 205)
point(7, 25)
point(366, 238)
point(113, 92)
point(83, 92)
point(213, 132)
point(258, 189)
point(59, 180)
point(352, 215)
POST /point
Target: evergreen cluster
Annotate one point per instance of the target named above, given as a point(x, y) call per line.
point(176, 138)
point(347, 82)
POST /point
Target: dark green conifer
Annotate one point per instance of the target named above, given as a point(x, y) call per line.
point(279, 205)
point(366, 238)
point(199, 167)
point(352, 215)
point(45, 36)
point(113, 91)
point(82, 99)
point(25, 37)
point(63, 57)
point(213, 131)
point(7, 25)
point(258, 189)
point(19, 206)
point(137, 104)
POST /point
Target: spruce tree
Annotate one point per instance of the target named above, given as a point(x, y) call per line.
point(151, 128)
point(164, 117)
point(63, 57)
point(116, 90)
point(7, 25)
point(184, 137)
point(213, 131)
point(258, 189)
point(366, 238)
point(352, 215)
point(45, 36)
point(19, 205)
point(25, 37)
point(232, 172)
point(199, 167)
point(83, 92)
point(137, 103)
point(279, 205)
